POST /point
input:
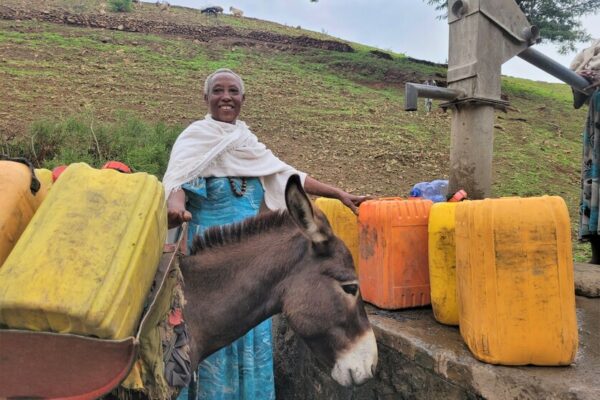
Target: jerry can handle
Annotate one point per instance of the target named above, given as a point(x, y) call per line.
point(35, 184)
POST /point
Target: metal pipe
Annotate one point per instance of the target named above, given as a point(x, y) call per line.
point(555, 69)
point(412, 92)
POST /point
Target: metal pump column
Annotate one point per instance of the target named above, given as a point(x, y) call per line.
point(483, 35)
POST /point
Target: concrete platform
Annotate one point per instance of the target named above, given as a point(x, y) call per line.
point(422, 359)
point(587, 280)
point(417, 334)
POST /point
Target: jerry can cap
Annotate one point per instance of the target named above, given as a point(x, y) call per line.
point(117, 165)
point(57, 171)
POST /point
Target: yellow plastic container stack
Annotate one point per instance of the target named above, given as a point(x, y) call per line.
point(87, 259)
point(343, 222)
point(515, 280)
point(442, 262)
point(45, 177)
point(18, 203)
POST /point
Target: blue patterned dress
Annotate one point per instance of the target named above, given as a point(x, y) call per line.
point(244, 369)
point(590, 171)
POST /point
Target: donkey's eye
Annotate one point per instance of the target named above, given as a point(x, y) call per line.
point(350, 288)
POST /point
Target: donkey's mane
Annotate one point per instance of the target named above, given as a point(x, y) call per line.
point(217, 236)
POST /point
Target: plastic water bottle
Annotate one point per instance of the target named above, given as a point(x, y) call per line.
point(435, 191)
point(440, 186)
point(436, 198)
point(439, 190)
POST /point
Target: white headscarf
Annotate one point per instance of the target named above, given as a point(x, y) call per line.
point(211, 148)
point(588, 58)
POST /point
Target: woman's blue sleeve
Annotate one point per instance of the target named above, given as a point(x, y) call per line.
point(196, 186)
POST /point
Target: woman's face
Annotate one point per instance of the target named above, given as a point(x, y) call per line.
point(225, 98)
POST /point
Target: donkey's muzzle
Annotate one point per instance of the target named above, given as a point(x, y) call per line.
point(358, 363)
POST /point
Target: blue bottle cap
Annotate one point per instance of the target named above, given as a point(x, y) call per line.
point(416, 192)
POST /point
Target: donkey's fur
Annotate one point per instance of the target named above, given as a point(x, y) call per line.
point(289, 263)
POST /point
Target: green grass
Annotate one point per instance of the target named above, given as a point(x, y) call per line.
point(536, 90)
point(82, 138)
point(338, 116)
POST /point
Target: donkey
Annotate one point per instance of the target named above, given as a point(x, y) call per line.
point(280, 262)
point(238, 276)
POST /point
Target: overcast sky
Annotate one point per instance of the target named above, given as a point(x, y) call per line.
point(403, 26)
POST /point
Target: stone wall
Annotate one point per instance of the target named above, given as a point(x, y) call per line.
point(298, 376)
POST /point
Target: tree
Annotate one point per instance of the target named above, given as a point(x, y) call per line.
point(557, 20)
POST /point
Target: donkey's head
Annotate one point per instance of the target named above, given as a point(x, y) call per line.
point(323, 304)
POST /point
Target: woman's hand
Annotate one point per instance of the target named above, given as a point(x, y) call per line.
point(314, 187)
point(177, 216)
point(592, 76)
point(352, 201)
point(176, 212)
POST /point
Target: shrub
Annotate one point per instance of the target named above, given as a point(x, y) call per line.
point(120, 5)
point(81, 138)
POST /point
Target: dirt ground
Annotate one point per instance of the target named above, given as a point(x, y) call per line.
point(61, 81)
point(14, 121)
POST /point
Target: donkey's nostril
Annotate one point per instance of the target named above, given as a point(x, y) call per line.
point(373, 370)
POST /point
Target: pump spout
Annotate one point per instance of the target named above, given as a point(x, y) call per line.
point(412, 92)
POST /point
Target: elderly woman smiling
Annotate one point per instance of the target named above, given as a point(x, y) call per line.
point(219, 173)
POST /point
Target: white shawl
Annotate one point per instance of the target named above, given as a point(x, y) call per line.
point(210, 148)
point(588, 58)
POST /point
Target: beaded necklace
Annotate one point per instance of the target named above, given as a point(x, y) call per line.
point(238, 192)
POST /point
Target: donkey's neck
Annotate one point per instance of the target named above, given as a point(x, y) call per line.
point(232, 287)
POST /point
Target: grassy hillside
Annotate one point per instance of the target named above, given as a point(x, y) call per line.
point(78, 93)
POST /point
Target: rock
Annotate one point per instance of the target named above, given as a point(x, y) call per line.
point(381, 54)
point(587, 280)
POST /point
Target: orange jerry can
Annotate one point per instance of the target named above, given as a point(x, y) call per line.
point(343, 222)
point(393, 266)
point(514, 271)
point(19, 199)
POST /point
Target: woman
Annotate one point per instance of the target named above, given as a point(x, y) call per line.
point(219, 173)
point(587, 64)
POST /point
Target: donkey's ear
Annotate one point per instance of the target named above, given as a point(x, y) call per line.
point(301, 210)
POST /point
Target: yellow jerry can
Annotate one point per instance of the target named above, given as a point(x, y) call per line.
point(87, 259)
point(19, 199)
point(514, 271)
point(343, 222)
point(45, 177)
point(442, 262)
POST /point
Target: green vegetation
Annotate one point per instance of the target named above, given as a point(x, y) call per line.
point(338, 116)
point(82, 138)
point(120, 5)
point(536, 90)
